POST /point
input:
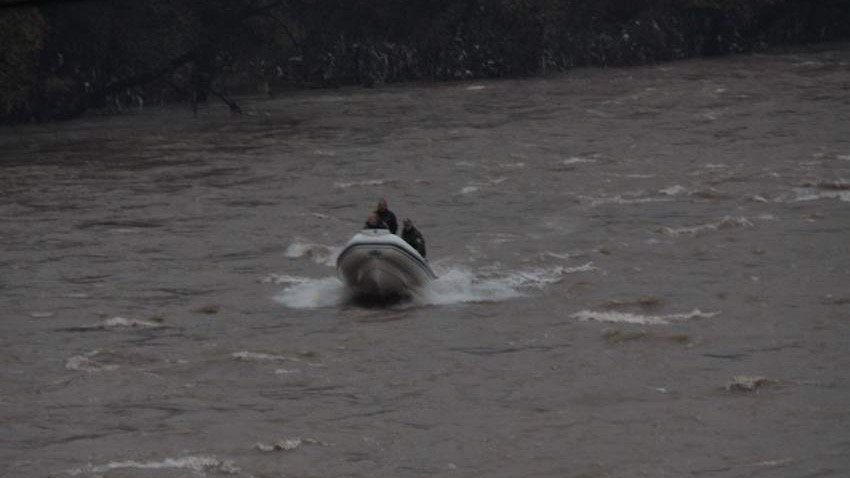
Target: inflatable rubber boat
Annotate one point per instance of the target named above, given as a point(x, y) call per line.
point(379, 264)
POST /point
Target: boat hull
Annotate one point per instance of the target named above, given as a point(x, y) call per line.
point(377, 263)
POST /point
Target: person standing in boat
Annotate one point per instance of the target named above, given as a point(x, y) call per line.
point(412, 236)
point(374, 222)
point(386, 215)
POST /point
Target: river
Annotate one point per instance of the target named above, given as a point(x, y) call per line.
point(643, 272)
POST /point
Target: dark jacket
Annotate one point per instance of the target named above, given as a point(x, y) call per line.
point(413, 237)
point(389, 218)
point(379, 225)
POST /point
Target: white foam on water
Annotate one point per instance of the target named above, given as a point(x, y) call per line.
point(41, 315)
point(314, 293)
point(285, 371)
point(475, 88)
point(627, 318)
point(541, 277)
point(577, 160)
point(318, 253)
point(457, 285)
point(727, 222)
point(284, 279)
point(86, 363)
point(812, 194)
point(635, 198)
point(198, 464)
point(673, 190)
point(843, 157)
point(477, 185)
point(285, 445)
point(361, 184)
point(121, 322)
point(261, 357)
point(454, 285)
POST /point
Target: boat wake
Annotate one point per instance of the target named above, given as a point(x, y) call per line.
point(454, 285)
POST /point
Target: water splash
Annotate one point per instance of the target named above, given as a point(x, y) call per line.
point(318, 253)
point(308, 293)
point(454, 285)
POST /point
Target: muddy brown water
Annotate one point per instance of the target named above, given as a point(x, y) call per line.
point(615, 248)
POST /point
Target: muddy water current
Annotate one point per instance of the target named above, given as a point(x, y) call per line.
point(643, 272)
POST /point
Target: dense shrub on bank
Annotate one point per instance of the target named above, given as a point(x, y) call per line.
point(61, 59)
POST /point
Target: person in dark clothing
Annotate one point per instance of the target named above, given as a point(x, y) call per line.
point(412, 236)
point(386, 215)
point(374, 222)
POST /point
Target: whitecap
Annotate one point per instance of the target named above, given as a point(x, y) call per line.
point(123, 322)
point(726, 223)
point(117, 322)
point(287, 444)
point(629, 199)
point(285, 371)
point(260, 357)
point(843, 157)
point(366, 183)
point(577, 160)
point(673, 190)
point(41, 315)
point(624, 317)
point(477, 185)
point(475, 88)
point(86, 363)
point(811, 194)
point(198, 464)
